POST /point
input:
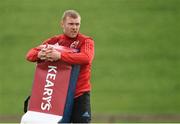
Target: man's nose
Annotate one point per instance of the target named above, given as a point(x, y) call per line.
point(74, 26)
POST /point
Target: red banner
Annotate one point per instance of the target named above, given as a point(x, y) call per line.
point(50, 87)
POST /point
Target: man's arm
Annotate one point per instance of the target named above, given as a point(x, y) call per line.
point(85, 55)
point(32, 54)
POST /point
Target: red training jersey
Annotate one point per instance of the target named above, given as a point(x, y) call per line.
point(85, 56)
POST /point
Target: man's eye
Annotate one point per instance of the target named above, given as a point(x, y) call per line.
point(77, 24)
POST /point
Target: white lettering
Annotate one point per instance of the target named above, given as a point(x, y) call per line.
point(51, 76)
point(45, 106)
point(52, 68)
point(49, 83)
point(48, 90)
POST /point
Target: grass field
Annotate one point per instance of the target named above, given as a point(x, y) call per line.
point(137, 63)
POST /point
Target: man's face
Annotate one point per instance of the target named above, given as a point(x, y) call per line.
point(71, 26)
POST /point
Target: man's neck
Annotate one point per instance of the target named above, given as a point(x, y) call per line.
point(71, 37)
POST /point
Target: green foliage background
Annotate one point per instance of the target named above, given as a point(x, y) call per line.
point(137, 63)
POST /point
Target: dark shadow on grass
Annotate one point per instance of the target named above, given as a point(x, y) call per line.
point(112, 118)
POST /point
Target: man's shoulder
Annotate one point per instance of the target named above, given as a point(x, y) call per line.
point(57, 36)
point(84, 37)
point(60, 36)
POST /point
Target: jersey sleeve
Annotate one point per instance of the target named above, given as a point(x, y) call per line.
point(32, 54)
point(85, 56)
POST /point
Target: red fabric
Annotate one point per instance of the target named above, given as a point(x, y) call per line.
point(86, 46)
point(51, 81)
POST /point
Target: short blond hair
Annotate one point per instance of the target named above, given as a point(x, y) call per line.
point(70, 13)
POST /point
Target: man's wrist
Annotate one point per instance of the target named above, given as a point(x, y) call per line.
point(59, 55)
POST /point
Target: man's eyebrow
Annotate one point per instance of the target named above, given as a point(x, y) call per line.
point(74, 23)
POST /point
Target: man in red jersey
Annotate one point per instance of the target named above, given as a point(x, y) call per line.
point(71, 38)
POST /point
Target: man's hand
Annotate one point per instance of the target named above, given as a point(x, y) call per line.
point(42, 54)
point(49, 54)
point(52, 54)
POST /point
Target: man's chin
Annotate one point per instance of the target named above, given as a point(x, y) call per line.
point(73, 36)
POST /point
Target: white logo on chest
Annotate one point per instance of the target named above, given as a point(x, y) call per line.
point(74, 44)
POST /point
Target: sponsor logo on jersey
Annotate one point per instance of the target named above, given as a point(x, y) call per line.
point(74, 44)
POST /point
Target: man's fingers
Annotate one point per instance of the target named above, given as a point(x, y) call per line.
point(43, 50)
point(43, 58)
point(49, 54)
point(50, 59)
point(49, 50)
point(42, 55)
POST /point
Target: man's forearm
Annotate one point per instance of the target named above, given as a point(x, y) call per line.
point(32, 55)
point(76, 58)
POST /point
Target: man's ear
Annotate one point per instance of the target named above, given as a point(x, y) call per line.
point(62, 24)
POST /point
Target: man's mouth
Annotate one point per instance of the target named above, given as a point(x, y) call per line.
point(74, 32)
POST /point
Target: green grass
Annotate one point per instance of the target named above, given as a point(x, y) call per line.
point(137, 64)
